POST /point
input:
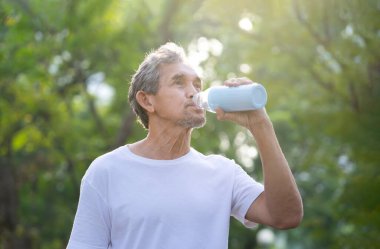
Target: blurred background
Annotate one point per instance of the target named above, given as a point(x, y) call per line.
point(65, 69)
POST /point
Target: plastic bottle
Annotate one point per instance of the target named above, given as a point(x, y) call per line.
point(231, 99)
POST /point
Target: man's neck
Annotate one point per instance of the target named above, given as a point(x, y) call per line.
point(164, 144)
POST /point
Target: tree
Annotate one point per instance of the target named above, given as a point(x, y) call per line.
point(65, 68)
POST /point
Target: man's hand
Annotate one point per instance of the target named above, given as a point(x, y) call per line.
point(247, 119)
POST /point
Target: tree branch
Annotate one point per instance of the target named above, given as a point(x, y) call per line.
point(125, 130)
point(169, 13)
point(354, 99)
point(302, 19)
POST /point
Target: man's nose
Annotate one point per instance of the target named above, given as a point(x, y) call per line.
point(192, 91)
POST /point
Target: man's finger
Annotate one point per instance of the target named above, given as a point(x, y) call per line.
point(222, 115)
point(237, 81)
point(219, 113)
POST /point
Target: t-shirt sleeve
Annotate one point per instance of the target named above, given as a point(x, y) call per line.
point(91, 229)
point(245, 192)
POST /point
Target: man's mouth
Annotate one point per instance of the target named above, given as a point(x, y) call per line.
point(193, 105)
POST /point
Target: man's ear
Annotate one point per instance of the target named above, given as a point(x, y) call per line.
point(144, 100)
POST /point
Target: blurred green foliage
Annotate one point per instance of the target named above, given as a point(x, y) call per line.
point(65, 68)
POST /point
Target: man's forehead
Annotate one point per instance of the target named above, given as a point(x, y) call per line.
point(177, 70)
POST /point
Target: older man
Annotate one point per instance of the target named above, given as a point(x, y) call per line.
point(160, 192)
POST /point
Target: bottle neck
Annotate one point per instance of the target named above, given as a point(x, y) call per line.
point(201, 100)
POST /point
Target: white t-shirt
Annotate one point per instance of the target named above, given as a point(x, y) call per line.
point(131, 202)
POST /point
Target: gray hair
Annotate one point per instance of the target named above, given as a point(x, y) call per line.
point(147, 76)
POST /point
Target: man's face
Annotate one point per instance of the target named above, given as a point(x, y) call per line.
point(173, 101)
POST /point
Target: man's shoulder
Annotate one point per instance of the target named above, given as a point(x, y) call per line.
point(101, 165)
point(109, 157)
point(214, 157)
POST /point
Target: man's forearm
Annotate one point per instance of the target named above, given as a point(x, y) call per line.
point(282, 197)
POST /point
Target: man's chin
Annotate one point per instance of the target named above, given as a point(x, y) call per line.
point(200, 124)
point(194, 122)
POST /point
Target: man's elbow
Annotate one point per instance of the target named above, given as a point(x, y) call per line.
point(289, 222)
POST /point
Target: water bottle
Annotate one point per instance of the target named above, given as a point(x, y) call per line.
point(232, 99)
